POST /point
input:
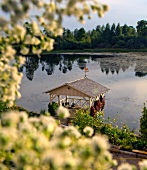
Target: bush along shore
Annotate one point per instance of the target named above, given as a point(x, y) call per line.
point(122, 137)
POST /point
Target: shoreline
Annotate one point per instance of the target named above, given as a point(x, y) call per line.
point(99, 54)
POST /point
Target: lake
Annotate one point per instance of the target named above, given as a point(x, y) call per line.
point(124, 74)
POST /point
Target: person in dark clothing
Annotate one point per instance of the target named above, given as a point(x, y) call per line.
point(92, 111)
point(97, 105)
point(101, 98)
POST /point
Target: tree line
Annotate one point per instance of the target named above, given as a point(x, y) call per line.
point(105, 36)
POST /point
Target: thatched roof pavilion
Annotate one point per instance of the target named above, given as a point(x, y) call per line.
point(85, 89)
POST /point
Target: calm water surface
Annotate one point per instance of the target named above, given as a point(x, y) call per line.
point(126, 77)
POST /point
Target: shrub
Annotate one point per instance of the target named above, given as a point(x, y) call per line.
point(122, 137)
point(143, 124)
point(98, 122)
point(139, 144)
point(82, 120)
point(43, 112)
point(52, 108)
point(3, 107)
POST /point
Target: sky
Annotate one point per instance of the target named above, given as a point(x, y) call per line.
point(121, 11)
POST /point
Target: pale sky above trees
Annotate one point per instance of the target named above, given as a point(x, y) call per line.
point(121, 11)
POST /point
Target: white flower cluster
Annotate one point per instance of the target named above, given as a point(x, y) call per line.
point(10, 78)
point(38, 143)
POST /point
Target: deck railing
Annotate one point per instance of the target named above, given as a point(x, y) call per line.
point(75, 101)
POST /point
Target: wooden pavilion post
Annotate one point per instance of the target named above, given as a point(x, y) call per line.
point(51, 99)
point(52, 96)
point(90, 102)
point(59, 102)
point(66, 98)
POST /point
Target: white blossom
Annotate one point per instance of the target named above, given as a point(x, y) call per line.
point(20, 31)
point(9, 52)
point(27, 127)
point(24, 51)
point(7, 138)
point(23, 117)
point(49, 123)
point(10, 118)
point(100, 142)
point(18, 94)
point(40, 3)
point(143, 164)
point(35, 41)
point(88, 130)
point(34, 120)
point(35, 28)
point(41, 20)
point(125, 166)
point(73, 131)
point(28, 39)
point(26, 158)
point(66, 141)
point(58, 131)
point(59, 32)
point(36, 51)
point(21, 60)
point(63, 112)
point(57, 158)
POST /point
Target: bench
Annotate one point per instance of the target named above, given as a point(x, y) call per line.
point(139, 152)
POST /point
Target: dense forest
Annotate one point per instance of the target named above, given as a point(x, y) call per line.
point(105, 36)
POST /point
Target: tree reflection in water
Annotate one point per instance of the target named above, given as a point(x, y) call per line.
point(81, 63)
point(108, 64)
point(30, 66)
point(140, 74)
